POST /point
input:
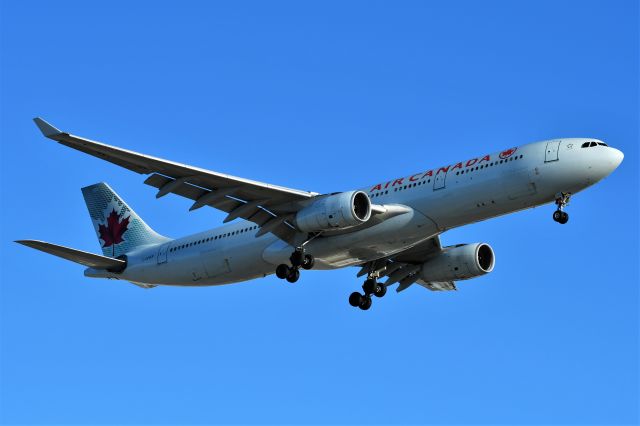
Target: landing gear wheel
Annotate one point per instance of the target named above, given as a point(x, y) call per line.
point(369, 286)
point(294, 275)
point(562, 199)
point(297, 258)
point(561, 217)
point(365, 303)
point(355, 299)
point(282, 271)
point(564, 218)
point(308, 262)
point(381, 290)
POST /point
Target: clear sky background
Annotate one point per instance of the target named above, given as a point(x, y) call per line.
point(322, 96)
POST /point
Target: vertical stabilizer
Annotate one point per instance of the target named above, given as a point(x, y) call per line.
point(119, 229)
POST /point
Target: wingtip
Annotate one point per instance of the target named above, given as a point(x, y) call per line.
point(26, 243)
point(47, 129)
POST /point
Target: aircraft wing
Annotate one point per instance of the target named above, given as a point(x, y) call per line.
point(404, 267)
point(269, 206)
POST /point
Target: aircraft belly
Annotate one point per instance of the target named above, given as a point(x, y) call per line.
point(389, 237)
point(239, 262)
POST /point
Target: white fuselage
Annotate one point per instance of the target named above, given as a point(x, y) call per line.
point(438, 199)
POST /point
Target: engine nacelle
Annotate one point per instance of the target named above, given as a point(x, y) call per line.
point(336, 211)
point(459, 262)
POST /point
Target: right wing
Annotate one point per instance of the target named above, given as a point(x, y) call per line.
point(404, 267)
point(82, 257)
point(269, 206)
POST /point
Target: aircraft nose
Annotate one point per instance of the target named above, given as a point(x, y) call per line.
point(615, 158)
point(608, 162)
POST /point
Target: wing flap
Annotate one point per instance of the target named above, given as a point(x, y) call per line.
point(78, 256)
point(438, 285)
point(227, 203)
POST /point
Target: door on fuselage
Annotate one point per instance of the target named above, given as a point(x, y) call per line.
point(162, 253)
point(439, 180)
point(552, 151)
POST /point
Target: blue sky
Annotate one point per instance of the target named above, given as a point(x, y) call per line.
point(323, 96)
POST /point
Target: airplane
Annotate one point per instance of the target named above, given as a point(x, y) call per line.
point(391, 229)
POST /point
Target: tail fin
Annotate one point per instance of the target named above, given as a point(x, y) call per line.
point(119, 229)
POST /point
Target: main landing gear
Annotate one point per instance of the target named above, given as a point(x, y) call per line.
point(298, 260)
point(370, 286)
point(560, 216)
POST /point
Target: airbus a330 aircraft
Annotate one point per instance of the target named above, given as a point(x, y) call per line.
point(389, 229)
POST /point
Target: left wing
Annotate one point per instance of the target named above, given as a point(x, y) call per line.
point(269, 206)
point(404, 267)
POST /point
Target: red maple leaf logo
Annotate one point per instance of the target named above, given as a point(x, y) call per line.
point(507, 153)
point(112, 233)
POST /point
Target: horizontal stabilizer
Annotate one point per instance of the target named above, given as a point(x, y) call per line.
point(82, 257)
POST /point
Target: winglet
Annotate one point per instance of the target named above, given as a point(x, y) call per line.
point(47, 129)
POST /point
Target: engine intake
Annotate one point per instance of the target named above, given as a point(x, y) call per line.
point(335, 211)
point(459, 262)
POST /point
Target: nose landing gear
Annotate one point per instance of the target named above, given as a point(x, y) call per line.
point(363, 301)
point(560, 216)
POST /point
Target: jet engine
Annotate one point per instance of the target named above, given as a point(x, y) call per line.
point(459, 262)
point(335, 211)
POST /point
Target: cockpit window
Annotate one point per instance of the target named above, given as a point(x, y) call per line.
point(592, 143)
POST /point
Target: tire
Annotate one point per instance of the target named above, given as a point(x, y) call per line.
point(564, 218)
point(282, 271)
point(365, 303)
point(381, 290)
point(294, 275)
point(308, 262)
point(369, 286)
point(297, 258)
point(557, 215)
point(355, 298)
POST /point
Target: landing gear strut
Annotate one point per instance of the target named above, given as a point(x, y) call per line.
point(298, 260)
point(560, 216)
point(370, 286)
